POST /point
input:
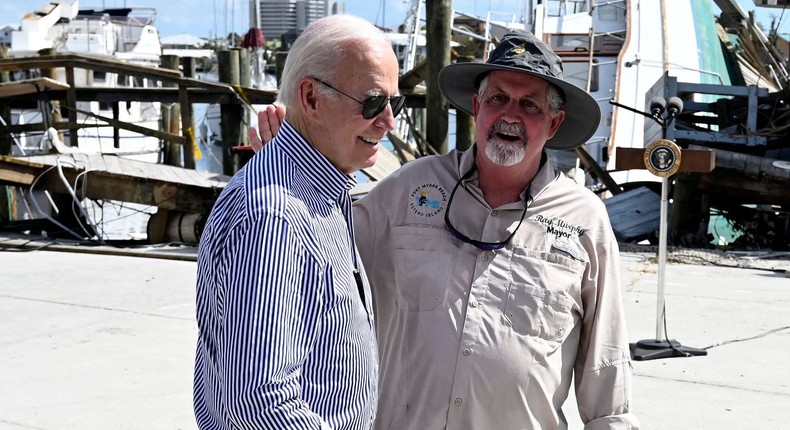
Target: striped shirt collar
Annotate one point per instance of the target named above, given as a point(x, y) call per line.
point(327, 179)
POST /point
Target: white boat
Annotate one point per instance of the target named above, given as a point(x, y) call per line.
point(125, 35)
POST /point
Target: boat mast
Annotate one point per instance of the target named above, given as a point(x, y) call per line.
point(257, 5)
point(413, 30)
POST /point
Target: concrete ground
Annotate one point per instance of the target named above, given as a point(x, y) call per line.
point(94, 341)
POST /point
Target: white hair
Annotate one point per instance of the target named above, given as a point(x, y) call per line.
point(321, 48)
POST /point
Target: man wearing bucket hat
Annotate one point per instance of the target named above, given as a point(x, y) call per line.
point(495, 279)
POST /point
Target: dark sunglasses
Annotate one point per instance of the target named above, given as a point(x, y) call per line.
point(373, 105)
point(479, 244)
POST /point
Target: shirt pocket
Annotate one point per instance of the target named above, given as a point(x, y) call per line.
point(537, 312)
point(422, 268)
point(540, 299)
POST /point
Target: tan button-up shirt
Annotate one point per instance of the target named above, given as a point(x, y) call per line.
point(472, 339)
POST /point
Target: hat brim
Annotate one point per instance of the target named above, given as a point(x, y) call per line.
point(582, 113)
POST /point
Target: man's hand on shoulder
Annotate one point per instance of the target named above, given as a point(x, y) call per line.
point(269, 121)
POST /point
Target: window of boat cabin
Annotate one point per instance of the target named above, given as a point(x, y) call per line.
point(579, 43)
point(575, 71)
point(566, 7)
point(610, 11)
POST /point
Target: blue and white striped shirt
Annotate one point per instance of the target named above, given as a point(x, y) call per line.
point(284, 340)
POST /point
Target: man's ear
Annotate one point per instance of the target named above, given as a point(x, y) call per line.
point(475, 105)
point(555, 123)
point(308, 97)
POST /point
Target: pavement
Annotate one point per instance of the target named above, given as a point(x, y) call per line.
point(98, 341)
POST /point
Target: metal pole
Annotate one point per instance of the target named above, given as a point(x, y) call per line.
point(257, 13)
point(662, 259)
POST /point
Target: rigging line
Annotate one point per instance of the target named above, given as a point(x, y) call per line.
point(769, 332)
point(779, 21)
point(378, 11)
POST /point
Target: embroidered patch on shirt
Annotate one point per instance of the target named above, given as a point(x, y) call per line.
point(559, 227)
point(428, 200)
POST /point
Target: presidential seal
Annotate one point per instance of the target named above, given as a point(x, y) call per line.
point(428, 200)
point(662, 158)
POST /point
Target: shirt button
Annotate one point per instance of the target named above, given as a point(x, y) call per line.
point(473, 303)
point(493, 213)
point(484, 257)
point(467, 351)
point(458, 401)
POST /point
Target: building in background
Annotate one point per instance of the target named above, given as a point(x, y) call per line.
point(278, 17)
point(5, 34)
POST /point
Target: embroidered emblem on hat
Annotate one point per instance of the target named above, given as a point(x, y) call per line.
point(520, 49)
point(428, 200)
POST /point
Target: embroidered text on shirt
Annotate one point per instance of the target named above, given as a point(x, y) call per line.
point(558, 227)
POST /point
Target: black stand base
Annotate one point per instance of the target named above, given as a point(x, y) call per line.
point(654, 349)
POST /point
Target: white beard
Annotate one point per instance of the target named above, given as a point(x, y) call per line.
point(505, 153)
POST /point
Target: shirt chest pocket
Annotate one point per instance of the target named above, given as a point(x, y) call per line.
point(540, 299)
point(422, 266)
point(421, 279)
point(537, 312)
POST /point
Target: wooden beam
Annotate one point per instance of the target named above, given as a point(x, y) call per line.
point(88, 62)
point(136, 128)
point(186, 128)
point(414, 77)
point(735, 188)
point(402, 148)
point(439, 18)
point(71, 106)
point(30, 86)
point(592, 166)
point(18, 174)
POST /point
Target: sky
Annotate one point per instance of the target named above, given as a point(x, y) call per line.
point(207, 18)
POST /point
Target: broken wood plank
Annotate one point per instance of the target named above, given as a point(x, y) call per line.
point(123, 180)
point(30, 86)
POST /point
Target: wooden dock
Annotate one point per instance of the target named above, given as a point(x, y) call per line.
point(116, 178)
point(177, 193)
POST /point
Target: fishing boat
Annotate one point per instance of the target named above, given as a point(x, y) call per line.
point(126, 35)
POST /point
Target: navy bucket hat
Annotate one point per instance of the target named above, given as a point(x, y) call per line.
point(521, 51)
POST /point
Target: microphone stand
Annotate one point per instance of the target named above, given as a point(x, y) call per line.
point(661, 346)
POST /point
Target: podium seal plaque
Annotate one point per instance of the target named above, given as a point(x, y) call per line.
point(662, 158)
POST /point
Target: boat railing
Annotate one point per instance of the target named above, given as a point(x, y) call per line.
point(138, 17)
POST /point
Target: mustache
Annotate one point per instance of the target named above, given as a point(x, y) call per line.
point(508, 128)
